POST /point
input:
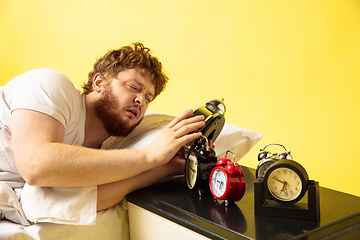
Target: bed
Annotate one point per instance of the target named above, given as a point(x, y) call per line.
point(35, 215)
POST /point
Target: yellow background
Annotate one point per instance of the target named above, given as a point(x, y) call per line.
point(287, 69)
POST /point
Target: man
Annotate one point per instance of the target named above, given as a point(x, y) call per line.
point(50, 133)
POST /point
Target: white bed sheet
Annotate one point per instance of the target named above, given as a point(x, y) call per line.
point(110, 224)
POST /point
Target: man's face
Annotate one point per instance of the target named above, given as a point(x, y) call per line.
point(124, 101)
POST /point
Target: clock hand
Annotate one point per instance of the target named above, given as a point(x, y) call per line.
point(283, 182)
point(220, 183)
point(276, 179)
point(192, 169)
point(284, 188)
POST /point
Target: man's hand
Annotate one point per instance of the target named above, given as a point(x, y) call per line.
point(173, 137)
point(176, 165)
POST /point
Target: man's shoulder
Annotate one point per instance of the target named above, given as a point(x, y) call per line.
point(48, 91)
point(46, 78)
point(45, 75)
point(44, 84)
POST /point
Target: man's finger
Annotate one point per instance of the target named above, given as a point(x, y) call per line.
point(181, 117)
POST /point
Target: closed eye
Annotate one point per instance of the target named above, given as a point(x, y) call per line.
point(138, 89)
point(148, 99)
point(133, 87)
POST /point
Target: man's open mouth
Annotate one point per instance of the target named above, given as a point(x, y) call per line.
point(134, 112)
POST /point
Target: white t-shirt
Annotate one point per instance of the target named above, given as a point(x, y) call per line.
point(52, 93)
point(43, 90)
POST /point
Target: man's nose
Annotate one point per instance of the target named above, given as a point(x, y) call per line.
point(139, 99)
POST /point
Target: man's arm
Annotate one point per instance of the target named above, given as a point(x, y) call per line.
point(112, 193)
point(43, 160)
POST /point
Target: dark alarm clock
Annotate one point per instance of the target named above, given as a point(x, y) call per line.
point(281, 184)
point(214, 113)
point(200, 160)
point(267, 158)
point(227, 181)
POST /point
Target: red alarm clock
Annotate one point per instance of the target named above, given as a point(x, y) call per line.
point(227, 181)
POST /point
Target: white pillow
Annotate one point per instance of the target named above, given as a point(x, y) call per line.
point(236, 139)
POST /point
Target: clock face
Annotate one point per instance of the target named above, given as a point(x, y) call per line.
point(191, 169)
point(218, 183)
point(284, 184)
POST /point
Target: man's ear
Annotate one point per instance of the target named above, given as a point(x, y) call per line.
point(97, 83)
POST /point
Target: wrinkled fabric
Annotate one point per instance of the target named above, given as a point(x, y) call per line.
point(8, 170)
point(10, 207)
point(76, 206)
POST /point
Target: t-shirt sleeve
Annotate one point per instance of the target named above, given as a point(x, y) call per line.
point(46, 91)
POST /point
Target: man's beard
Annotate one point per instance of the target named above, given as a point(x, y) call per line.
point(107, 110)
